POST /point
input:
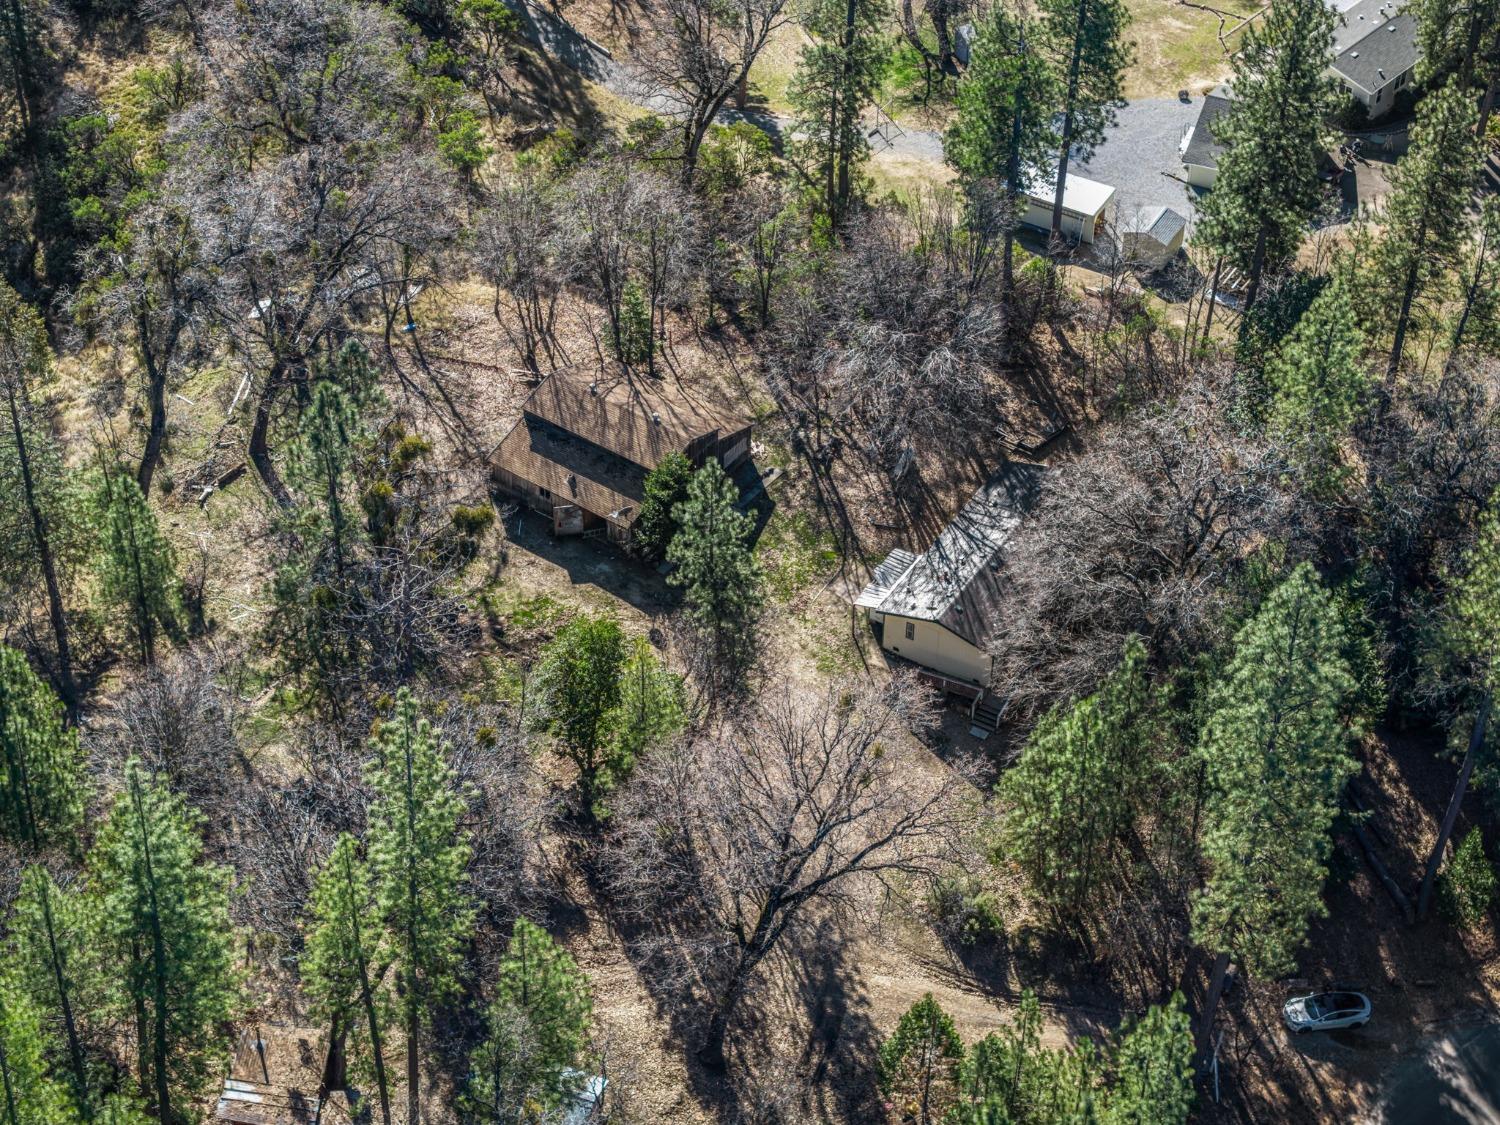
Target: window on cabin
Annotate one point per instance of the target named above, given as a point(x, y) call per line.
point(911, 631)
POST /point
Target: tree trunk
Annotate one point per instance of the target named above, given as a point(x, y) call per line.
point(1075, 66)
point(1213, 289)
point(1211, 1004)
point(66, 687)
point(841, 156)
point(1486, 107)
point(1257, 268)
point(65, 1003)
point(1450, 817)
point(711, 1053)
point(413, 1076)
point(158, 972)
point(260, 450)
point(1471, 294)
point(156, 396)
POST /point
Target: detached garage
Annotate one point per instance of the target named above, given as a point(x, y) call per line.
point(1084, 202)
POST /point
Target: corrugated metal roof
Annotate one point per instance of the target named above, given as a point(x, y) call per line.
point(886, 575)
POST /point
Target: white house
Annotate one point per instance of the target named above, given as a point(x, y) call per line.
point(1374, 51)
point(940, 609)
point(1199, 149)
point(1084, 202)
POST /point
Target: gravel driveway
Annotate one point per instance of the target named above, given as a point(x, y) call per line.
point(1138, 150)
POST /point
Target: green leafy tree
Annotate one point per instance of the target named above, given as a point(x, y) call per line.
point(538, 1023)
point(1274, 749)
point(1468, 882)
point(650, 710)
point(342, 966)
point(633, 339)
point(28, 1094)
point(1085, 40)
point(1425, 217)
point(715, 566)
point(42, 787)
point(1319, 384)
point(164, 918)
point(137, 566)
point(418, 856)
point(1267, 186)
point(1151, 1069)
point(666, 486)
point(578, 680)
point(34, 529)
point(1004, 129)
point(1070, 797)
point(918, 1063)
point(51, 949)
point(838, 75)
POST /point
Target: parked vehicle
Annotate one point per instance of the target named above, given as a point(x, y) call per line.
point(1326, 1011)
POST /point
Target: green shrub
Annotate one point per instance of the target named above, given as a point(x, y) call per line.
point(964, 911)
point(1467, 886)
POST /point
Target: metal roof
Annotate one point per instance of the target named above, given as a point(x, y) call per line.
point(886, 575)
point(1081, 196)
point(957, 582)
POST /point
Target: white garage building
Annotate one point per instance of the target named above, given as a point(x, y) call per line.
point(1084, 203)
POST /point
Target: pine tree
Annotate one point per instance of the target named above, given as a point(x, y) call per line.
point(418, 856)
point(918, 1063)
point(341, 966)
point(41, 790)
point(1318, 385)
point(1004, 129)
point(837, 76)
point(1267, 186)
point(1069, 798)
point(164, 917)
point(1469, 881)
point(1087, 44)
point(51, 948)
point(539, 1023)
point(1009, 1076)
point(650, 710)
point(665, 487)
point(578, 679)
point(1459, 39)
point(331, 436)
point(1479, 314)
point(28, 1095)
point(32, 473)
point(1152, 1069)
point(1425, 221)
point(715, 565)
point(1275, 754)
point(137, 566)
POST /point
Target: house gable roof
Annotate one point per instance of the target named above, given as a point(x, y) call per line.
point(573, 469)
point(1381, 54)
point(1202, 149)
point(959, 582)
point(640, 419)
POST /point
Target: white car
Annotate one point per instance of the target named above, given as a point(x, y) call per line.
point(1326, 1011)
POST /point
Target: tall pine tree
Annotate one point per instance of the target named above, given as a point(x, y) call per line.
point(1425, 221)
point(41, 788)
point(538, 1030)
point(1275, 753)
point(1069, 798)
point(917, 1068)
point(1151, 1067)
point(51, 948)
point(1318, 384)
point(715, 565)
point(837, 77)
point(28, 1094)
point(1086, 42)
point(418, 856)
point(1004, 131)
point(164, 920)
point(137, 566)
point(343, 966)
point(650, 709)
point(1267, 186)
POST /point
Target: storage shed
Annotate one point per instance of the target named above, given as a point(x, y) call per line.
point(1084, 203)
point(1153, 236)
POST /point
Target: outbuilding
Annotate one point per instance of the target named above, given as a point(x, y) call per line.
point(1084, 204)
point(1154, 236)
point(1200, 149)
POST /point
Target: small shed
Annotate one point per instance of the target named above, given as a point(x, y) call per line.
point(1154, 236)
point(1084, 203)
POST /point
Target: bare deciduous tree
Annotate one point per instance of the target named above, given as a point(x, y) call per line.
point(727, 845)
point(1138, 536)
point(521, 253)
point(695, 54)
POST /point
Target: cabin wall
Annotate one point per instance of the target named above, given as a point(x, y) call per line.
point(933, 646)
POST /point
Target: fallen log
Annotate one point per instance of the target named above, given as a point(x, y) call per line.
point(1383, 874)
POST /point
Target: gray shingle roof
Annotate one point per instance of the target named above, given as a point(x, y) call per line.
point(1203, 150)
point(1387, 50)
point(1162, 224)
